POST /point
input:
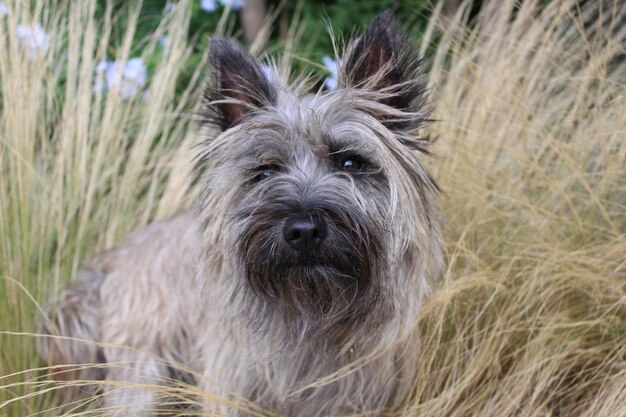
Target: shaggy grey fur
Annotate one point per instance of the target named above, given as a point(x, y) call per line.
point(296, 279)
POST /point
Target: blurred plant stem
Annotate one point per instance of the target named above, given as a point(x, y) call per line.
point(253, 17)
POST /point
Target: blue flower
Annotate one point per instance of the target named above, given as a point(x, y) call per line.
point(211, 5)
point(234, 4)
point(103, 70)
point(169, 7)
point(33, 38)
point(271, 73)
point(129, 78)
point(3, 9)
point(208, 5)
point(332, 67)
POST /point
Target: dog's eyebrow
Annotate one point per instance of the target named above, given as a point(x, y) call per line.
point(264, 148)
point(346, 144)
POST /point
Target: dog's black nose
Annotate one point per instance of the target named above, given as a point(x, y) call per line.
point(305, 232)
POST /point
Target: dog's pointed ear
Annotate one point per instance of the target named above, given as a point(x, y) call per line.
point(237, 84)
point(383, 59)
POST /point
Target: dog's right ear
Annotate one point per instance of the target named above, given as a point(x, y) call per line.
point(237, 85)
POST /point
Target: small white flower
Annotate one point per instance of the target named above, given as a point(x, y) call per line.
point(33, 38)
point(332, 67)
point(234, 4)
point(3, 9)
point(98, 82)
point(164, 41)
point(128, 78)
point(133, 77)
point(169, 7)
point(136, 70)
point(208, 5)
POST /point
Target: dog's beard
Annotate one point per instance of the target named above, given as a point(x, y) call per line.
point(329, 286)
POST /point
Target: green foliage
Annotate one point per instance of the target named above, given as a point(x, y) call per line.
point(315, 17)
point(348, 16)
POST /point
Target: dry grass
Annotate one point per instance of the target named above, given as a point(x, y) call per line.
point(531, 318)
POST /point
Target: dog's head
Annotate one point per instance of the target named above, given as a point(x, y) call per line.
point(319, 202)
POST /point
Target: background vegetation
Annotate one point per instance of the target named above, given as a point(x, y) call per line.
point(301, 26)
point(530, 319)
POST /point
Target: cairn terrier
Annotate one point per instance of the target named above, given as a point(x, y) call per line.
point(295, 280)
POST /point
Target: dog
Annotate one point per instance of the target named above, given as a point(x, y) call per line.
point(294, 281)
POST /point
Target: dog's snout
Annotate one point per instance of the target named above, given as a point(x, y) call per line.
point(305, 232)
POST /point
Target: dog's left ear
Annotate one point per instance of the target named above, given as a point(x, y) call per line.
point(237, 85)
point(384, 60)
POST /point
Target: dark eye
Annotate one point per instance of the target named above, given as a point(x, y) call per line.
point(353, 164)
point(264, 172)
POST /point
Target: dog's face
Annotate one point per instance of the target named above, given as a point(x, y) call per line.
point(319, 200)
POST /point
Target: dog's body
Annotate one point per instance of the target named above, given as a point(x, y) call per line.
point(295, 280)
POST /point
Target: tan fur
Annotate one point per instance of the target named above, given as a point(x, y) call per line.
point(177, 291)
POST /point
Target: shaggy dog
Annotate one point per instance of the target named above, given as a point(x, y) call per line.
point(295, 280)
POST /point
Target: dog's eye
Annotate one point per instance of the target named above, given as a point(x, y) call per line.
point(353, 164)
point(264, 172)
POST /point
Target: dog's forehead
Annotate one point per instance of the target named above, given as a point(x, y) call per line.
point(323, 121)
point(304, 119)
point(300, 127)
